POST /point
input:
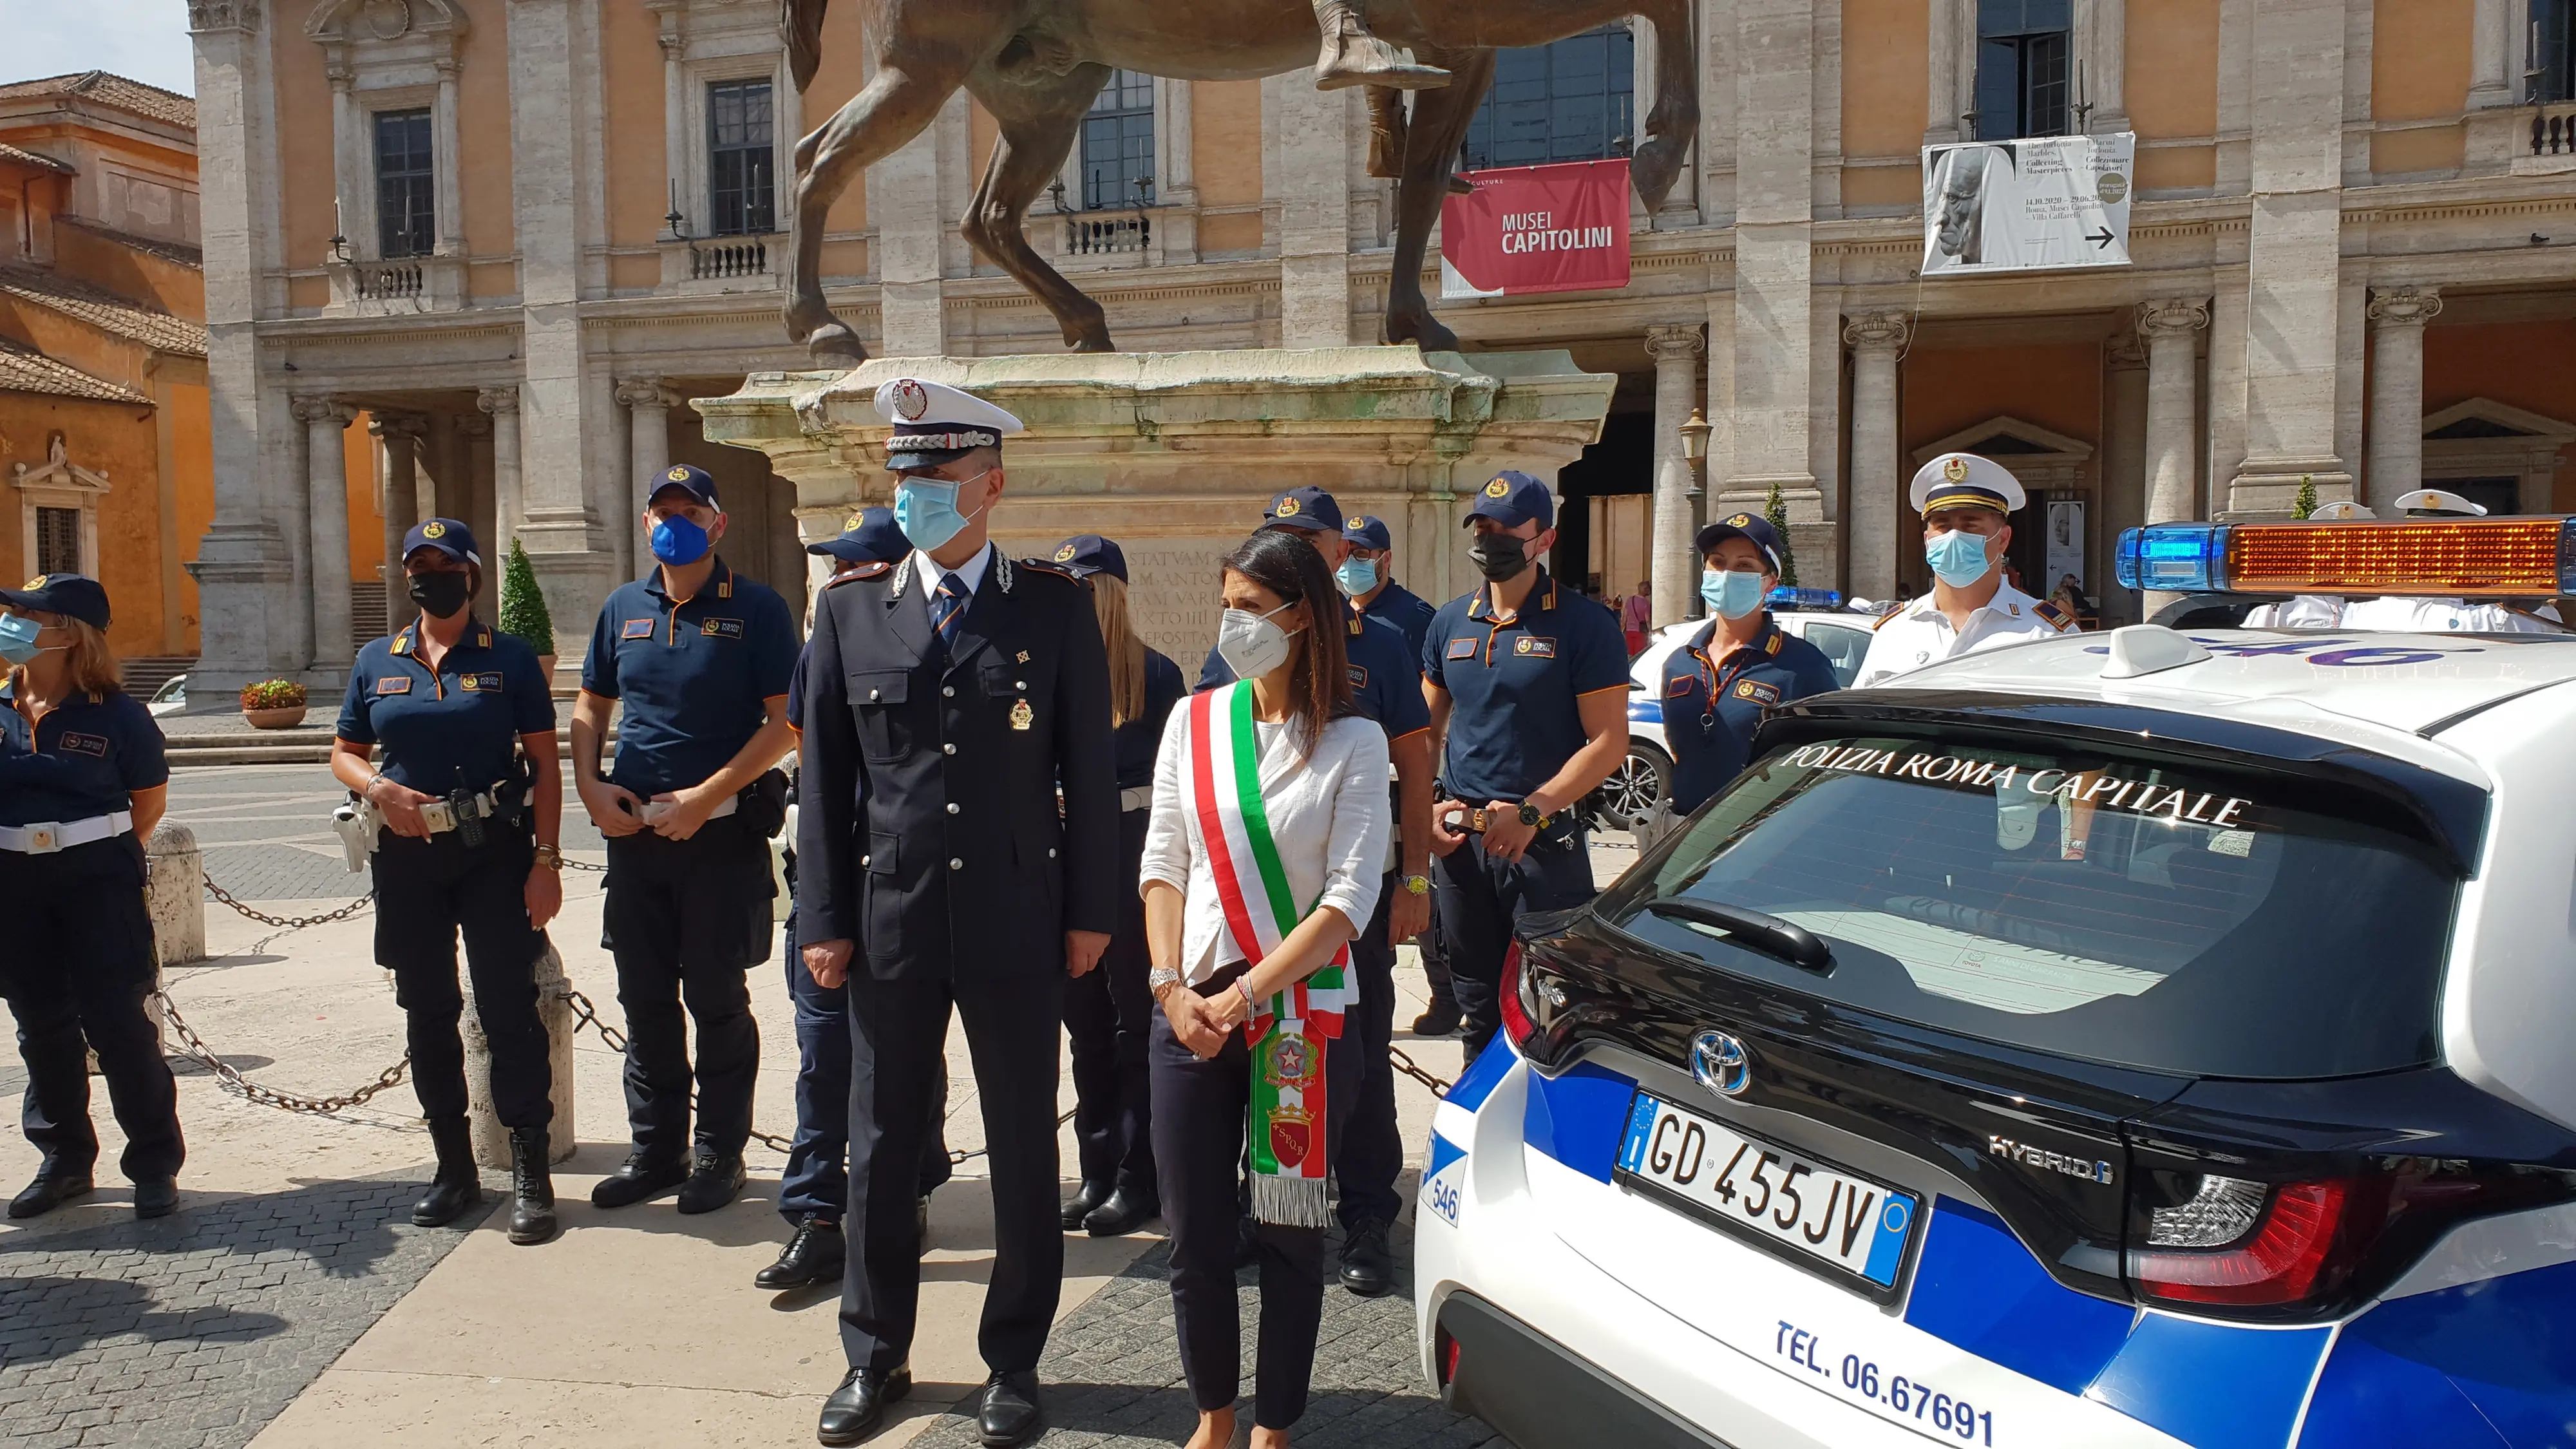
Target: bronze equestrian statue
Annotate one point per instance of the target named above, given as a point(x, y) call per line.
point(1036, 64)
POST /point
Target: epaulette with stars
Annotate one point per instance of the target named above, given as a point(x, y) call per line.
point(2056, 616)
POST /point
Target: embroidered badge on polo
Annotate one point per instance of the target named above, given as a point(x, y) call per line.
point(1757, 691)
point(1359, 677)
point(720, 629)
point(1535, 647)
point(636, 629)
point(1678, 688)
point(397, 684)
point(1462, 649)
point(83, 744)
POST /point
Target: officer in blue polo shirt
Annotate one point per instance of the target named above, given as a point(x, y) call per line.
point(1386, 683)
point(700, 657)
point(1528, 680)
point(470, 792)
point(82, 783)
point(1737, 667)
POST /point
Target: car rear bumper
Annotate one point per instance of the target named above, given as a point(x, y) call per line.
point(1538, 1392)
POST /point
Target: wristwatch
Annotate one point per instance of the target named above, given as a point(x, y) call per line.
point(1160, 980)
point(1530, 815)
point(1419, 885)
point(551, 857)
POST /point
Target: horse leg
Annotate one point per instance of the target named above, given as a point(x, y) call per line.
point(1674, 117)
point(893, 109)
point(1439, 126)
point(1038, 121)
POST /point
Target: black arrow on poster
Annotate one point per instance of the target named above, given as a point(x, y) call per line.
point(2101, 239)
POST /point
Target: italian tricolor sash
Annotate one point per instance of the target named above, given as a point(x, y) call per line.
point(1287, 1033)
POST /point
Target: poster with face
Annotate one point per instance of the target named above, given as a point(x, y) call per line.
point(2036, 204)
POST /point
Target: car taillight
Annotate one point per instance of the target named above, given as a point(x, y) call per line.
point(2279, 1262)
point(1519, 1022)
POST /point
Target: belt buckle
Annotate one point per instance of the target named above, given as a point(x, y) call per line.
point(45, 839)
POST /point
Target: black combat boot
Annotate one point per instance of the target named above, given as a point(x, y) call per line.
point(532, 1187)
point(459, 1184)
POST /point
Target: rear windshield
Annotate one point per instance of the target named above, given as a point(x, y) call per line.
point(2116, 909)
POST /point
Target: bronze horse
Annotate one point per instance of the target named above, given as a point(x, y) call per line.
point(1036, 64)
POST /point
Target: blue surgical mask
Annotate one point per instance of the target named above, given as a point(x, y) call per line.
point(1957, 557)
point(18, 638)
point(926, 510)
point(678, 541)
point(1731, 592)
point(1356, 576)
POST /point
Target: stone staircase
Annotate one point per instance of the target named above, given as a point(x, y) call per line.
point(142, 676)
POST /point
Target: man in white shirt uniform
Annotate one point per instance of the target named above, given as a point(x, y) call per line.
point(2310, 611)
point(1967, 503)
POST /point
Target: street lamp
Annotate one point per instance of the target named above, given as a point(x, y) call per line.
point(1695, 447)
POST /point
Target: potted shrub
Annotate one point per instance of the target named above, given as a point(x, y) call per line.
point(273, 704)
point(523, 609)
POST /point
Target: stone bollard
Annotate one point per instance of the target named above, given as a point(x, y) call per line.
point(176, 895)
point(554, 1008)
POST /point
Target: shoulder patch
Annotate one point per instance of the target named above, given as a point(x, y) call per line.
point(858, 571)
point(1679, 685)
point(1359, 676)
point(2054, 615)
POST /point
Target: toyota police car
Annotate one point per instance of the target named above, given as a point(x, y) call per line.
point(2152, 1038)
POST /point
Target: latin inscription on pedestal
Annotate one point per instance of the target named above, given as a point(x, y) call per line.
point(1171, 590)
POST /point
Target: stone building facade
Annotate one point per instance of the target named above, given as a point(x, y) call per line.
point(484, 251)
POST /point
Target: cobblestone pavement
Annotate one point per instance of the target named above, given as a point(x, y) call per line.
point(193, 1331)
point(266, 830)
point(1112, 1373)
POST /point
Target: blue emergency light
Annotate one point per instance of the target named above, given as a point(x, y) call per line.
point(1785, 597)
point(2181, 558)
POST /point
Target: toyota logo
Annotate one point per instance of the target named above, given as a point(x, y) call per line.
point(1721, 1063)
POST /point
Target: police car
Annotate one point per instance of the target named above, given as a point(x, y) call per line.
point(1818, 616)
point(2138, 1039)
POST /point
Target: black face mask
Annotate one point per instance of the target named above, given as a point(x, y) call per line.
point(1499, 556)
point(439, 595)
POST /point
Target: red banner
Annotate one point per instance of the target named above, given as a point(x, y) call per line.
point(1560, 228)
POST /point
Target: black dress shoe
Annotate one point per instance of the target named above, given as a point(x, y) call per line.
point(1121, 1214)
point(1368, 1264)
point(1006, 1412)
point(852, 1412)
point(641, 1176)
point(50, 1190)
point(1439, 1020)
point(712, 1183)
point(815, 1255)
point(1079, 1206)
point(155, 1197)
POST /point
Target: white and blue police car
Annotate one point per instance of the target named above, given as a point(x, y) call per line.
point(2152, 1038)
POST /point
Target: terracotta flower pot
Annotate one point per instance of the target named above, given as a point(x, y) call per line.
point(286, 717)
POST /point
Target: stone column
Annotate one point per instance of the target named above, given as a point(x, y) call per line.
point(2397, 318)
point(648, 454)
point(1313, 190)
point(326, 511)
point(507, 511)
point(398, 464)
point(2173, 427)
point(1673, 567)
point(2124, 466)
point(1877, 341)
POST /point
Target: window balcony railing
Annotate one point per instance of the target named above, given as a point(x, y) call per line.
point(711, 261)
point(2553, 129)
point(392, 285)
point(1092, 234)
point(396, 281)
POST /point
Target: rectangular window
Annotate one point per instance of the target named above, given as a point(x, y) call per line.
point(2022, 49)
point(1118, 143)
point(2552, 77)
point(406, 186)
point(58, 532)
point(742, 159)
point(1570, 101)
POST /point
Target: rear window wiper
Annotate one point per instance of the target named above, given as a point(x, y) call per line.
point(1768, 934)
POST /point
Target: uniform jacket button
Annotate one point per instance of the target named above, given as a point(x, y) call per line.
point(863, 860)
point(955, 864)
point(1050, 852)
point(952, 807)
point(1020, 684)
point(872, 694)
point(947, 749)
point(948, 691)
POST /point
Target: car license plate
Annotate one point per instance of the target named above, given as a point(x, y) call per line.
point(1810, 1211)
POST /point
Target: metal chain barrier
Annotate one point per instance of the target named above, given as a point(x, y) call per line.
point(1408, 1067)
point(297, 923)
point(587, 1015)
point(195, 1048)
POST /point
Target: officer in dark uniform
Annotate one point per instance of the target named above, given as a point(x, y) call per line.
point(700, 658)
point(1529, 681)
point(1109, 1012)
point(467, 727)
point(1386, 684)
point(950, 698)
point(1737, 667)
point(82, 783)
point(1367, 576)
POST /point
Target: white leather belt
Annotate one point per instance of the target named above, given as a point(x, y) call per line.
point(1139, 798)
point(48, 836)
point(655, 811)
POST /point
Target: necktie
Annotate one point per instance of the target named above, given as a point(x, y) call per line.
point(947, 607)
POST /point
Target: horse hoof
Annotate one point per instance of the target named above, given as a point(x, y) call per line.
point(836, 345)
point(1094, 342)
point(1424, 332)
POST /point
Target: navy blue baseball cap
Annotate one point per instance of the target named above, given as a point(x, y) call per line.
point(74, 596)
point(1363, 531)
point(1086, 554)
point(870, 536)
point(1746, 526)
point(1511, 499)
point(690, 477)
point(447, 536)
point(1308, 510)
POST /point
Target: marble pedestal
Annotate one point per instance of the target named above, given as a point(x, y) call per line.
point(1174, 454)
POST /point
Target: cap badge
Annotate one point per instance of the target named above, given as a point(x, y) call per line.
point(433, 529)
point(1286, 508)
point(911, 400)
point(854, 521)
point(38, 581)
point(1499, 488)
point(1363, 521)
point(678, 474)
point(1064, 554)
point(1739, 520)
point(1956, 470)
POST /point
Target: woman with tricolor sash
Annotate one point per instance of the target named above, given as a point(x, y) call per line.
point(1262, 859)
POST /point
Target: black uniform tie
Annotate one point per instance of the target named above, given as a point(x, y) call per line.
point(946, 608)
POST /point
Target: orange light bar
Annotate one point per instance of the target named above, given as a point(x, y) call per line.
point(2442, 557)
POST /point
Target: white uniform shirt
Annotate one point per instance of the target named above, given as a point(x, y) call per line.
point(1920, 634)
point(2438, 616)
point(2303, 611)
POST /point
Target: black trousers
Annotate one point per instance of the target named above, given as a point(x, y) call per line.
point(685, 920)
point(897, 1065)
point(1480, 899)
point(1201, 1109)
point(1109, 1014)
point(815, 1183)
point(76, 966)
point(1435, 962)
point(427, 891)
point(1372, 1151)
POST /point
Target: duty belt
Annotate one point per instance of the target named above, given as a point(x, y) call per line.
point(1474, 821)
point(46, 837)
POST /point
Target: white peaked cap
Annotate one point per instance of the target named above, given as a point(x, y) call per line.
point(1960, 480)
point(2340, 511)
point(919, 405)
point(2435, 500)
